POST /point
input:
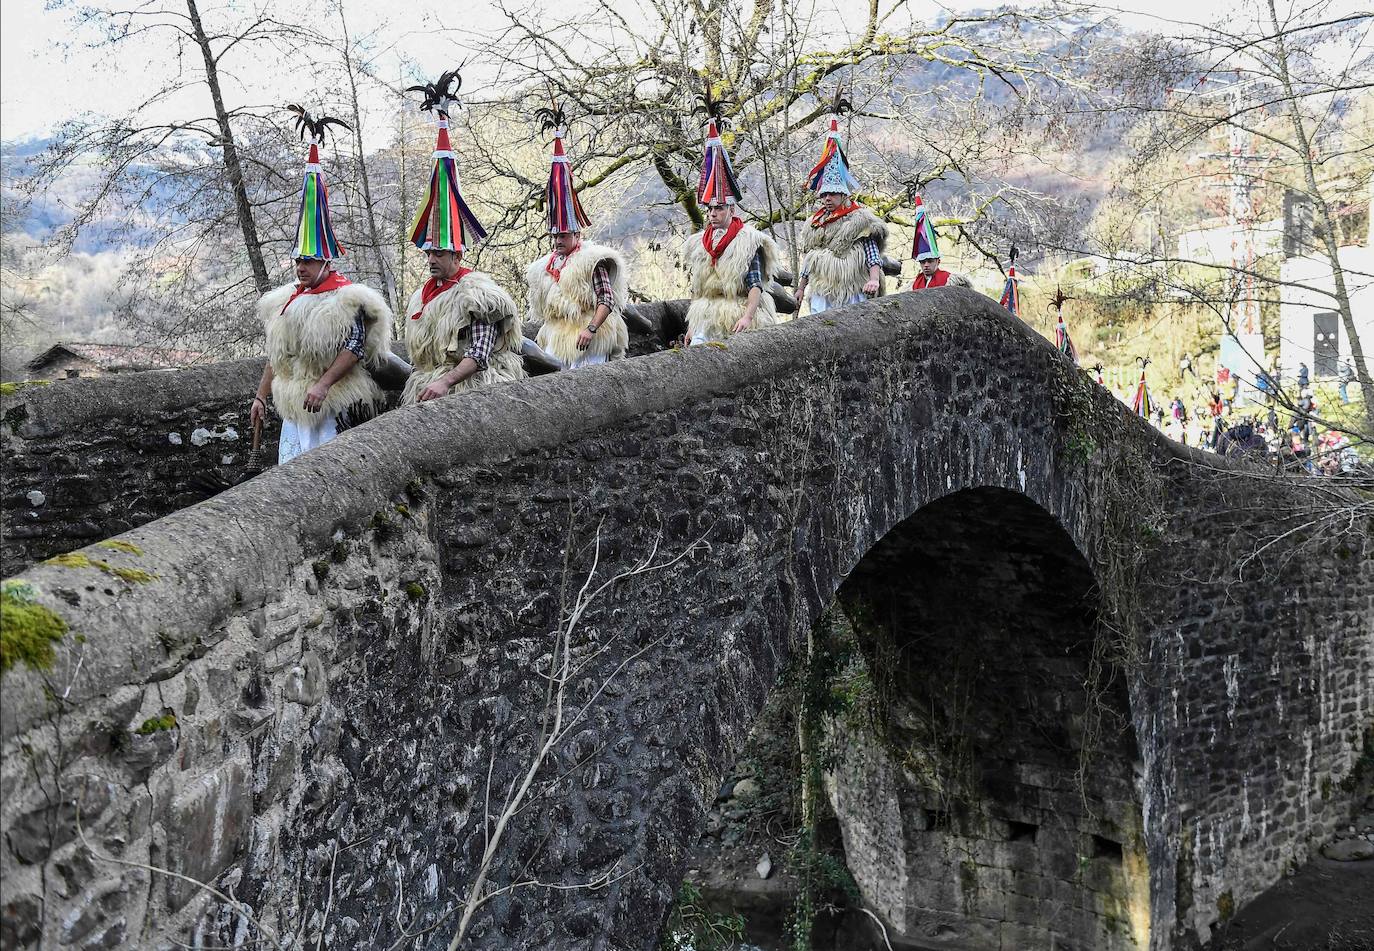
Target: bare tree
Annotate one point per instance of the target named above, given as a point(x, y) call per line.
point(176, 187)
point(633, 76)
point(1272, 106)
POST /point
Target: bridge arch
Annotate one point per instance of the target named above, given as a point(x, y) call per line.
point(989, 798)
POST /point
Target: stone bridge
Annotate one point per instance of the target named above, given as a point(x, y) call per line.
point(1118, 697)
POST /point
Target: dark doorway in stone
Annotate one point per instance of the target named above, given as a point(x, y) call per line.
point(978, 806)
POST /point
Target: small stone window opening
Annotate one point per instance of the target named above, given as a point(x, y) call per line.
point(1104, 848)
point(1022, 831)
point(937, 819)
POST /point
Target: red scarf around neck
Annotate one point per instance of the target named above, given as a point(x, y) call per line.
point(332, 282)
point(434, 287)
point(715, 251)
point(822, 217)
point(939, 279)
point(557, 272)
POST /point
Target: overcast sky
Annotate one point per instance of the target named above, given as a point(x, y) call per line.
point(41, 83)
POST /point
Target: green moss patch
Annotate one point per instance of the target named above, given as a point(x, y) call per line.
point(27, 629)
point(9, 389)
point(114, 544)
point(167, 720)
point(415, 591)
point(75, 559)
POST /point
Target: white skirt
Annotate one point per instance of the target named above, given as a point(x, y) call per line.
point(298, 439)
point(819, 303)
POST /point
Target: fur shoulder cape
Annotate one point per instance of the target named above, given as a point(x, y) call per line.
point(718, 292)
point(834, 261)
point(304, 340)
point(565, 306)
point(439, 336)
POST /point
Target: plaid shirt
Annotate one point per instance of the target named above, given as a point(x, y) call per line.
point(754, 276)
point(483, 343)
point(356, 341)
point(601, 287)
point(871, 256)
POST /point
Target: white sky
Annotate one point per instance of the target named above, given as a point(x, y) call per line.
point(41, 84)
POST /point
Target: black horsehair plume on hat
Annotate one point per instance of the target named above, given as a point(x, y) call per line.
point(711, 107)
point(839, 105)
point(441, 94)
point(1057, 301)
point(552, 117)
point(317, 128)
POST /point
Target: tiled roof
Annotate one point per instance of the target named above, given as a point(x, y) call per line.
point(112, 356)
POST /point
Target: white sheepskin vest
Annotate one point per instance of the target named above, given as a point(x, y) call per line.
point(566, 306)
point(438, 338)
point(718, 292)
point(833, 259)
point(304, 340)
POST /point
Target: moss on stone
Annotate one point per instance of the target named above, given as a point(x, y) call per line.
point(9, 389)
point(131, 575)
point(71, 559)
point(403, 510)
point(1226, 905)
point(321, 569)
point(27, 629)
point(115, 544)
point(415, 591)
point(76, 559)
point(167, 720)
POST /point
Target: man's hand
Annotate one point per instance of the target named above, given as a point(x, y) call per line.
point(314, 397)
point(797, 296)
point(257, 412)
point(871, 287)
point(584, 339)
point(434, 391)
point(744, 323)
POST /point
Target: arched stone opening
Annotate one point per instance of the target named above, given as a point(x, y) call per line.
point(988, 800)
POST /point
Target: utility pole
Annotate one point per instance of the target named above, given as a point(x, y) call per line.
point(1242, 338)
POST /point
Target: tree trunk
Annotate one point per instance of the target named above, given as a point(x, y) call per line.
point(682, 192)
point(231, 156)
point(384, 272)
point(1304, 151)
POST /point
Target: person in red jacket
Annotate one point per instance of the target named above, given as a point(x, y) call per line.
point(926, 250)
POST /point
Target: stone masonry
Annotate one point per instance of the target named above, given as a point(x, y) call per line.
point(315, 692)
point(88, 459)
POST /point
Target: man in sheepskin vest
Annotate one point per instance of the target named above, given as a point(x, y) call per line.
point(323, 332)
point(925, 248)
point(843, 241)
point(730, 262)
point(461, 329)
point(578, 291)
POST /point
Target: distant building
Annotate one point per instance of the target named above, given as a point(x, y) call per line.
point(67, 361)
point(1214, 243)
point(1310, 328)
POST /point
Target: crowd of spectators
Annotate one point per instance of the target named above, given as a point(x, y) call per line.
point(1281, 426)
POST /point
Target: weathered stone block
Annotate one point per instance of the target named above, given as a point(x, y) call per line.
point(36, 833)
point(207, 829)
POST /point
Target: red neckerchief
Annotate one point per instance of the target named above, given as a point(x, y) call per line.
point(333, 282)
point(434, 287)
point(940, 279)
point(734, 228)
point(557, 272)
point(822, 217)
